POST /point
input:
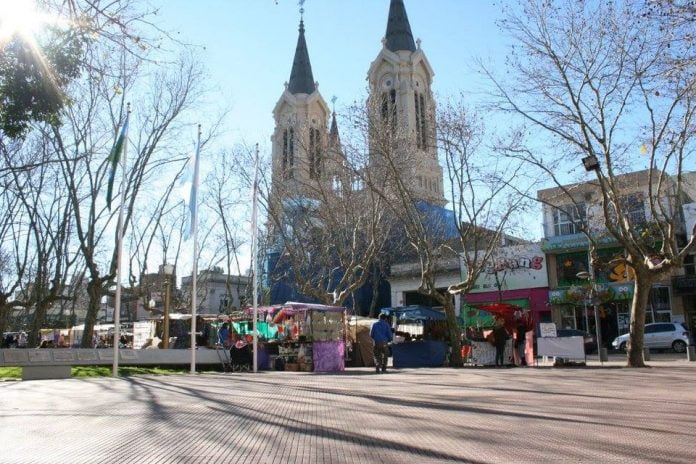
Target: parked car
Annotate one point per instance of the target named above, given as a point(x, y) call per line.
point(660, 335)
point(590, 342)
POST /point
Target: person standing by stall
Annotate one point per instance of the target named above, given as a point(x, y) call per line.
point(224, 335)
point(500, 338)
point(381, 334)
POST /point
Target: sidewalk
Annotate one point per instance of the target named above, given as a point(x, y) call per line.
point(479, 415)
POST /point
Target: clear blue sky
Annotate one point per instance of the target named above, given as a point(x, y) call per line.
point(249, 47)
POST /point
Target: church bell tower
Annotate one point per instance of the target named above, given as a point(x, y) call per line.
point(400, 83)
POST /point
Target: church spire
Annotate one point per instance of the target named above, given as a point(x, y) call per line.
point(334, 137)
point(399, 36)
point(301, 78)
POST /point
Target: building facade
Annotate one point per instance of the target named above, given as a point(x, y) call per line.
point(518, 275)
point(567, 253)
point(216, 292)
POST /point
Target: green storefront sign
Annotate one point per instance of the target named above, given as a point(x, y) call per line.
point(573, 242)
point(578, 294)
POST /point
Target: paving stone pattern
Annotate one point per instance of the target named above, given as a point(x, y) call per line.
point(411, 416)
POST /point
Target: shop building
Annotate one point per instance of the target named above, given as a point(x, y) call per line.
point(567, 253)
point(515, 275)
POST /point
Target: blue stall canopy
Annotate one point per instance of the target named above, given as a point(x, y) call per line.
point(415, 313)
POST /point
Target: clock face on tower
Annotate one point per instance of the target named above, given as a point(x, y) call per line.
point(387, 82)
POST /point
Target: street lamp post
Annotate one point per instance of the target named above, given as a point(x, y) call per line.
point(168, 272)
point(592, 164)
point(589, 276)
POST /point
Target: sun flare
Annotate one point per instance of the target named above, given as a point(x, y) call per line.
point(21, 17)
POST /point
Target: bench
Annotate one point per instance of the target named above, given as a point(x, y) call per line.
point(55, 363)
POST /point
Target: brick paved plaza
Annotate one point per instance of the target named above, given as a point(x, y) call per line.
point(426, 415)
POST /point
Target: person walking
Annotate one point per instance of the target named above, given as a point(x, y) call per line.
point(381, 334)
point(500, 337)
point(224, 335)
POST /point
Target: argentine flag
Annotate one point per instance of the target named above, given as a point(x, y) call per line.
point(115, 158)
point(189, 190)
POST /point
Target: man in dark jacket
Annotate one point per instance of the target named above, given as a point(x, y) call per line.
point(381, 334)
point(500, 337)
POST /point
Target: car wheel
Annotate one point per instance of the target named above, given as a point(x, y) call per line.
point(623, 347)
point(679, 346)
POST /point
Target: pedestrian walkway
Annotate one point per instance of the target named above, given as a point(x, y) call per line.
point(428, 415)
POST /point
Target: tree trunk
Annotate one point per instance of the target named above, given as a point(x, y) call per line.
point(39, 318)
point(4, 314)
point(94, 291)
point(454, 334)
point(642, 286)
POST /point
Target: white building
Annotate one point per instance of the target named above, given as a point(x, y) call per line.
point(217, 292)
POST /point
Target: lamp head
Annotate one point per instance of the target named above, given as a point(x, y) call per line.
point(583, 275)
point(590, 163)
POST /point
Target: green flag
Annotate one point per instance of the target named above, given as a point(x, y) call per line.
point(115, 158)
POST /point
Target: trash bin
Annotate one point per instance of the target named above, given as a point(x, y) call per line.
point(603, 355)
point(646, 353)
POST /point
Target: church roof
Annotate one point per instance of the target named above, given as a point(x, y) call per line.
point(399, 36)
point(301, 78)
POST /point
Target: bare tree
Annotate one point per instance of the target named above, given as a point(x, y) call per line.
point(479, 192)
point(327, 232)
point(84, 140)
point(599, 81)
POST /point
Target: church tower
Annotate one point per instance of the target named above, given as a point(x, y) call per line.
point(400, 82)
point(301, 122)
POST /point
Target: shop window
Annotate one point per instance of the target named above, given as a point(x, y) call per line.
point(690, 265)
point(633, 207)
point(568, 219)
point(568, 317)
point(567, 267)
point(660, 304)
point(615, 272)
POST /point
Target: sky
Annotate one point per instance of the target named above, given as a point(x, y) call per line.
point(248, 48)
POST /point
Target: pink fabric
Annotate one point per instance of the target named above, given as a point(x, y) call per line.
point(328, 356)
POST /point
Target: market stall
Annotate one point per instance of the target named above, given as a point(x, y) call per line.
point(300, 336)
point(420, 335)
point(478, 323)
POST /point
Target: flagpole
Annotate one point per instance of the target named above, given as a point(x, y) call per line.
point(254, 257)
point(194, 277)
point(119, 249)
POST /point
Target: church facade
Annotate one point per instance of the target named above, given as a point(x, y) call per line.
point(306, 150)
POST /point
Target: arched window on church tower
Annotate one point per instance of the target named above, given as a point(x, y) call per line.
point(288, 152)
point(315, 154)
point(423, 123)
point(419, 136)
point(389, 108)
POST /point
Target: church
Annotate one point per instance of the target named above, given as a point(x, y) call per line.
point(400, 81)
point(306, 147)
